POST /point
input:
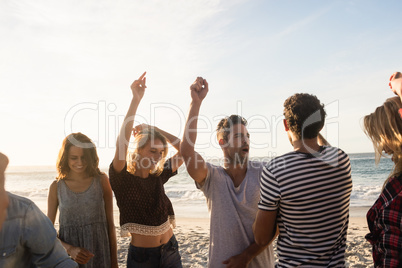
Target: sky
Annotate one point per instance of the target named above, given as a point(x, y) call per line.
point(67, 66)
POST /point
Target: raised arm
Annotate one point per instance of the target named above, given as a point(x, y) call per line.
point(138, 90)
point(177, 159)
point(195, 164)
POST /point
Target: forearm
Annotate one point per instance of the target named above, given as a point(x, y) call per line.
point(244, 258)
point(173, 140)
point(113, 245)
point(66, 246)
point(252, 251)
point(190, 131)
point(126, 129)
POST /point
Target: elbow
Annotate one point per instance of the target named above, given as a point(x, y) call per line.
point(261, 241)
point(185, 156)
point(186, 151)
point(261, 237)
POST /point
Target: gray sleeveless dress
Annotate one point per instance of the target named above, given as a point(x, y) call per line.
point(83, 221)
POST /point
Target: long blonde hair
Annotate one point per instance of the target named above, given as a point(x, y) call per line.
point(90, 155)
point(384, 128)
point(140, 141)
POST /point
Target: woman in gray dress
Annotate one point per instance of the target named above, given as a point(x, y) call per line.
point(83, 195)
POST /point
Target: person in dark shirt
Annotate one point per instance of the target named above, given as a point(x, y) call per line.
point(146, 213)
point(384, 128)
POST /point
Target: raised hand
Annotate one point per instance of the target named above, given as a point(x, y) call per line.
point(199, 89)
point(138, 86)
point(395, 83)
point(80, 255)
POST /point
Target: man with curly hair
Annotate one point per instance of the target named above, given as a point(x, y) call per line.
point(305, 193)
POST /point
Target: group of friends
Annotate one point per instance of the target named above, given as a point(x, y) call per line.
point(300, 198)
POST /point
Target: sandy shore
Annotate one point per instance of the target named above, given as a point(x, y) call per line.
point(193, 237)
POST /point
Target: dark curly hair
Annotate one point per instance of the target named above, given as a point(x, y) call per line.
point(305, 115)
point(223, 128)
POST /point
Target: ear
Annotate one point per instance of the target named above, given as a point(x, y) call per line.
point(221, 142)
point(285, 123)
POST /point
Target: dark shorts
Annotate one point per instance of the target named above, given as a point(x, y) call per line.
point(165, 256)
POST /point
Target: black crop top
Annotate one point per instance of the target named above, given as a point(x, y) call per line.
point(144, 207)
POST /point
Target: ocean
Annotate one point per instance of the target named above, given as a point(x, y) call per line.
point(33, 182)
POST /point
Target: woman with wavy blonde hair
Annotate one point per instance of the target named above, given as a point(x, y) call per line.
point(137, 180)
point(143, 134)
point(83, 195)
point(384, 128)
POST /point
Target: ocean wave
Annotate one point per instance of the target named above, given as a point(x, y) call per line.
point(186, 195)
point(38, 193)
point(365, 193)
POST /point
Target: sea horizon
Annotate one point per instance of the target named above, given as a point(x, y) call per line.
point(33, 182)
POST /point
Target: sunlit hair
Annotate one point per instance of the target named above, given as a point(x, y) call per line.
point(140, 141)
point(304, 114)
point(90, 156)
point(384, 128)
point(223, 128)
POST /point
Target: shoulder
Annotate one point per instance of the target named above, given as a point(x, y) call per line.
point(113, 172)
point(53, 186)
point(214, 170)
point(335, 156)
point(103, 178)
point(213, 166)
point(334, 151)
point(19, 199)
point(394, 186)
point(117, 179)
point(104, 181)
point(281, 162)
point(255, 164)
point(18, 205)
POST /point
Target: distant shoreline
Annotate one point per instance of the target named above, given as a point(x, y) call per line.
point(53, 166)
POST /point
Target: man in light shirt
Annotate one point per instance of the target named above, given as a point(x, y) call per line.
point(27, 236)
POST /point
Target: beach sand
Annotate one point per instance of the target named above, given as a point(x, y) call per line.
point(193, 237)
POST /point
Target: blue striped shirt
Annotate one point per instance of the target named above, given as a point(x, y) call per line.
point(311, 193)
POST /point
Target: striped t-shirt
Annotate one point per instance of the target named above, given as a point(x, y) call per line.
point(311, 193)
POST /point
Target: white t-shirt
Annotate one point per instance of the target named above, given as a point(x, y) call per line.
point(233, 211)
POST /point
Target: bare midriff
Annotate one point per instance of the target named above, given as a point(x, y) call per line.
point(148, 241)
